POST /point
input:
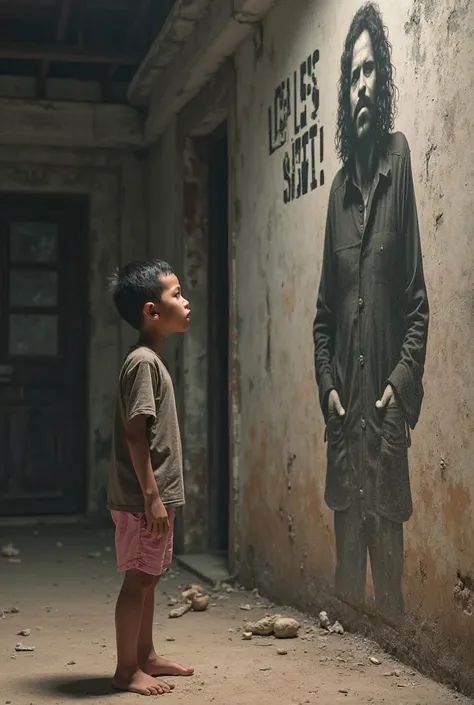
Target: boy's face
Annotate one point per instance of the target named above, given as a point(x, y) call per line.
point(172, 313)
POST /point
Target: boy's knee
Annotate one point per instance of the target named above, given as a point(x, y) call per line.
point(138, 580)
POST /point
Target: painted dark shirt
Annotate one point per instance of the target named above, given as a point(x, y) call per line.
point(370, 329)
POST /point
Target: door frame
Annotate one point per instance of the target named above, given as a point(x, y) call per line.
point(213, 394)
point(214, 105)
point(79, 224)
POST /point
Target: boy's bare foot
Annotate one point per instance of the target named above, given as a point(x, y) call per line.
point(141, 683)
point(157, 666)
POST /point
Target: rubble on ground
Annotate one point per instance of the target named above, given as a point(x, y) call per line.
point(193, 598)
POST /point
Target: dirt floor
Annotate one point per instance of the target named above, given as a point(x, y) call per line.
point(65, 588)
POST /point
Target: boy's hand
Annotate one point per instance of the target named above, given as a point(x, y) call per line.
point(157, 517)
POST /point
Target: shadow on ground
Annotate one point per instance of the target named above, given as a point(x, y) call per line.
point(74, 686)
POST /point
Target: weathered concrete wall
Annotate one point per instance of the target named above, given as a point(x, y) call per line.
point(116, 185)
point(195, 373)
point(67, 124)
point(286, 530)
point(178, 234)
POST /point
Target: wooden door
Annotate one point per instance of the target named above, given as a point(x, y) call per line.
point(43, 347)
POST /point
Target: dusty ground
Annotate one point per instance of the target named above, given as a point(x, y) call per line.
point(66, 599)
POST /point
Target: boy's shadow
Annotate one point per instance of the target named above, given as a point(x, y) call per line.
point(76, 686)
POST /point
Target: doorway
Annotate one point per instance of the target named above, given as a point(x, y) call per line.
point(43, 355)
point(218, 346)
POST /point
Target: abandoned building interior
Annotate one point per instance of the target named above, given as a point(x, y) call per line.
point(202, 132)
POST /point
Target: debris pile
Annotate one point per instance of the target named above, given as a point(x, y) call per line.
point(193, 598)
point(9, 551)
point(272, 624)
point(325, 623)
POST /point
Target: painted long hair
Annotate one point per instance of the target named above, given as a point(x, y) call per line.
point(367, 17)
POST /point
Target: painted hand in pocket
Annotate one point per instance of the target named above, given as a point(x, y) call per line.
point(334, 403)
point(387, 399)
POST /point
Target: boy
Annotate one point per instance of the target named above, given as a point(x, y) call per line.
point(146, 477)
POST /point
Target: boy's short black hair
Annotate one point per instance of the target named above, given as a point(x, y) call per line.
point(135, 284)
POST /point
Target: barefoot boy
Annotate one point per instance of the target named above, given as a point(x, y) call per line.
point(146, 478)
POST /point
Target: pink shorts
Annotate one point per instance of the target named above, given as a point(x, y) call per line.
point(137, 549)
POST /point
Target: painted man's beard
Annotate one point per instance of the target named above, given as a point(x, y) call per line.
point(363, 140)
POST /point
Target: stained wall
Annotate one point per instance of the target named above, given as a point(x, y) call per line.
point(286, 534)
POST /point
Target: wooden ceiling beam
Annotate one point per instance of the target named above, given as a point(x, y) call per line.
point(138, 21)
point(67, 54)
point(64, 12)
point(115, 5)
point(61, 28)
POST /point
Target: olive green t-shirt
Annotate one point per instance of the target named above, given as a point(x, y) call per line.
point(145, 388)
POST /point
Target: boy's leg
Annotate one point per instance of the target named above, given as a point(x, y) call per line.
point(148, 659)
point(137, 586)
point(160, 556)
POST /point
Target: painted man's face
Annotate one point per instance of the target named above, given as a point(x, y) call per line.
point(363, 85)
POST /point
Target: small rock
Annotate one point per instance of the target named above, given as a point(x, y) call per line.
point(266, 668)
point(374, 660)
point(337, 628)
point(94, 554)
point(344, 691)
point(200, 603)
point(22, 647)
point(24, 632)
point(71, 663)
point(172, 602)
point(180, 611)
point(247, 636)
point(245, 608)
point(286, 628)
point(282, 652)
point(9, 551)
point(170, 638)
point(324, 620)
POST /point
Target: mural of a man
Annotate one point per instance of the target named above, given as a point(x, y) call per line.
point(371, 324)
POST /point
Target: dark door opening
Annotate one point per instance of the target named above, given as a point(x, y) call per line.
point(43, 355)
point(218, 371)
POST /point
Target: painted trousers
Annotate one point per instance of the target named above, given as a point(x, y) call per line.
point(360, 533)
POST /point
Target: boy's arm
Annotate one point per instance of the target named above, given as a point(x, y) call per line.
point(139, 395)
